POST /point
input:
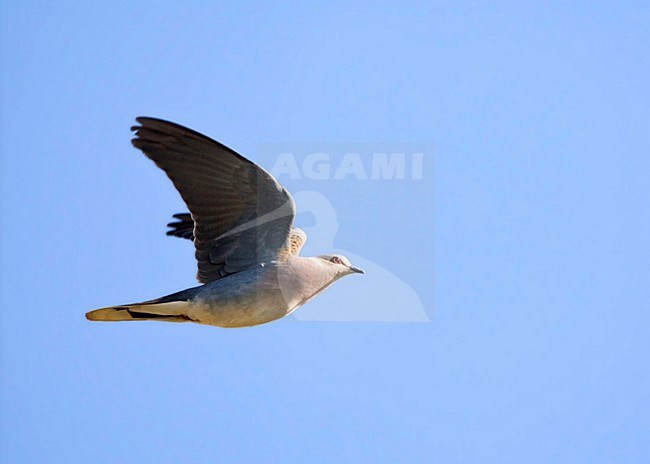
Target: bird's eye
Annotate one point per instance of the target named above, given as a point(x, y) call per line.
point(336, 260)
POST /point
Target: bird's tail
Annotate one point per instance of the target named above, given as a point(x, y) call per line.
point(171, 311)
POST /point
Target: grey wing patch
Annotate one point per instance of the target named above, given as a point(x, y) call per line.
point(183, 227)
point(241, 215)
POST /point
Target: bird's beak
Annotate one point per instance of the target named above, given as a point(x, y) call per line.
point(357, 270)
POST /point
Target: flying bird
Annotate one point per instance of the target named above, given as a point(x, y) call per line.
point(241, 222)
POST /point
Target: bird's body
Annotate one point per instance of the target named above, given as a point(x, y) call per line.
point(259, 295)
point(241, 223)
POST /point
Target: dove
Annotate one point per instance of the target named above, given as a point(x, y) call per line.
point(241, 222)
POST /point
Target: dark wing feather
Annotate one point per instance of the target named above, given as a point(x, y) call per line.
point(182, 227)
point(242, 216)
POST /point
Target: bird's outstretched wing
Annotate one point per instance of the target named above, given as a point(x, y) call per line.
point(241, 215)
point(183, 227)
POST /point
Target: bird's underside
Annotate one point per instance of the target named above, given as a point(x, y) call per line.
point(241, 224)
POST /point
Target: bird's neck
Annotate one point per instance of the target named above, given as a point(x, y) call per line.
point(309, 275)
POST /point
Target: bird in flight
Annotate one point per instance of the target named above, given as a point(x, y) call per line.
point(241, 222)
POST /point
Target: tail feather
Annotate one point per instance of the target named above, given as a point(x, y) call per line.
point(173, 311)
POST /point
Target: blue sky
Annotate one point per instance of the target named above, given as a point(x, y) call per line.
point(525, 240)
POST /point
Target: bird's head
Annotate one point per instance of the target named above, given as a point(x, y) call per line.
point(341, 264)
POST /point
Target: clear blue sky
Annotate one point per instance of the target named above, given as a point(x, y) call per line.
point(532, 262)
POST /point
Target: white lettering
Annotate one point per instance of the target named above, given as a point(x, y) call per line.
point(285, 164)
point(384, 167)
point(317, 166)
point(351, 165)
